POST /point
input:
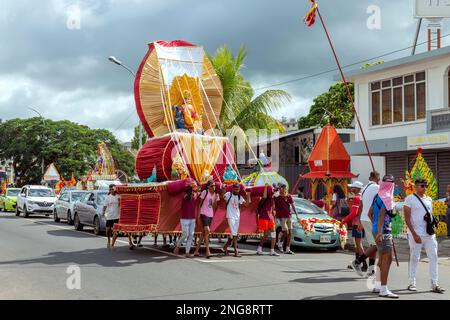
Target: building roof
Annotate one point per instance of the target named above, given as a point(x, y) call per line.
point(396, 63)
point(287, 135)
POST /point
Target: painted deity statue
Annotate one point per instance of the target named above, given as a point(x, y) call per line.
point(191, 118)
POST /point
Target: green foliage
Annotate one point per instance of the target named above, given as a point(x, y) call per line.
point(70, 146)
point(135, 141)
point(239, 107)
point(332, 106)
point(368, 65)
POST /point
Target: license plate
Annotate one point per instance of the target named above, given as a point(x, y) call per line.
point(325, 239)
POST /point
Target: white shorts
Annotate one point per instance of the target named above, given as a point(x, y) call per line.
point(234, 226)
point(367, 226)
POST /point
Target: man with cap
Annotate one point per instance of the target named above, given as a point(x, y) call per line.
point(283, 205)
point(353, 218)
point(418, 209)
point(368, 194)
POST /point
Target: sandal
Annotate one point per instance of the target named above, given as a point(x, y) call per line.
point(132, 247)
point(237, 255)
point(209, 257)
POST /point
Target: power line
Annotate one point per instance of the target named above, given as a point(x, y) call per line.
point(346, 66)
point(123, 122)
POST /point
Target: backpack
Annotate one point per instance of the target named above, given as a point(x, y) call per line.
point(229, 199)
point(344, 209)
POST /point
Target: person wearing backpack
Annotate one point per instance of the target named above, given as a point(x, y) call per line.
point(420, 221)
point(266, 222)
point(207, 207)
point(381, 214)
point(233, 201)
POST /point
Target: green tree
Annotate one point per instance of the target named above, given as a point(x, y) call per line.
point(240, 107)
point(135, 141)
point(70, 146)
point(332, 106)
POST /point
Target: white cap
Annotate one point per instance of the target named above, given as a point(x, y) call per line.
point(356, 184)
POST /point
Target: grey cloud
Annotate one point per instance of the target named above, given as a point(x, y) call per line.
point(36, 45)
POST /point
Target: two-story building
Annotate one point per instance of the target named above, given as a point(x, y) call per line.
point(404, 104)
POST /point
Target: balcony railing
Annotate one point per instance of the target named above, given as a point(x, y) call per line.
point(438, 120)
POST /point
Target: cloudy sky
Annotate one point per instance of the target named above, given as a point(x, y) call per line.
point(53, 53)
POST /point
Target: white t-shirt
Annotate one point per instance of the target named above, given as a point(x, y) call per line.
point(418, 212)
point(112, 207)
point(368, 194)
point(233, 211)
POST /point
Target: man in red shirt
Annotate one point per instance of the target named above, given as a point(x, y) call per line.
point(266, 222)
point(283, 204)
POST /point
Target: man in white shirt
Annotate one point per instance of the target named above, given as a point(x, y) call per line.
point(233, 202)
point(368, 194)
point(111, 209)
point(416, 207)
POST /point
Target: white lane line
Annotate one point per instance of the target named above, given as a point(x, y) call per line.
point(225, 261)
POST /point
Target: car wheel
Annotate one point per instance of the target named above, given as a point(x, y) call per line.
point(69, 218)
point(25, 212)
point(77, 224)
point(55, 216)
point(96, 226)
point(17, 211)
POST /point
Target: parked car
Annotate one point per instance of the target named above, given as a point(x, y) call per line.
point(64, 205)
point(8, 200)
point(35, 199)
point(88, 211)
point(324, 238)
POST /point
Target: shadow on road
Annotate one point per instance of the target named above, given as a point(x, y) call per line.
point(361, 295)
point(325, 279)
point(118, 257)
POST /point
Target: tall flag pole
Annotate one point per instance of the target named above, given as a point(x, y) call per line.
point(309, 19)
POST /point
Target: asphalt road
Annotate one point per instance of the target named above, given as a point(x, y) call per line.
point(35, 255)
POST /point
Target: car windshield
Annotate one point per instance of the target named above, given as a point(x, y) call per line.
point(12, 193)
point(41, 193)
point(305, 207)
point(77, 196)
point(101, 198)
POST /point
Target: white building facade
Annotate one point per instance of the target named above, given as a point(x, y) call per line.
point(403, 105)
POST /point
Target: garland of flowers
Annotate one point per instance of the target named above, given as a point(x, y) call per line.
point(308, 227)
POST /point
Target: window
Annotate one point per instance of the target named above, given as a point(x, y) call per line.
point(297, 154)
point(399, 99)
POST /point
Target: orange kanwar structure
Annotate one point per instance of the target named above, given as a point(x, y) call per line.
point(329, 163)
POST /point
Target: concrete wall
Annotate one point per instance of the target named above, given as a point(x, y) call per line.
point(436, 97)
point(361, 165)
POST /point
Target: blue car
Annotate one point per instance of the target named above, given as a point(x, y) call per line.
point(325, 237)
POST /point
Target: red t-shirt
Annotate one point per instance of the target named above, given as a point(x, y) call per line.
point(353, 216)
point(266, 211)
point(188, 208)
point(283, 206)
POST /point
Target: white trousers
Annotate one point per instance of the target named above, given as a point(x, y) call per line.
point(188, 228)
point(431, 249)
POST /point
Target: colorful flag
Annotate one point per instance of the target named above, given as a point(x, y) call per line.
point(310, 17)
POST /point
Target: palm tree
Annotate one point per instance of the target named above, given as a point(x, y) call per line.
point(239, 107)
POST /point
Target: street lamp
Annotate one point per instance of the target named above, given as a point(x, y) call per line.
point(119, 63)
point(43, 121)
